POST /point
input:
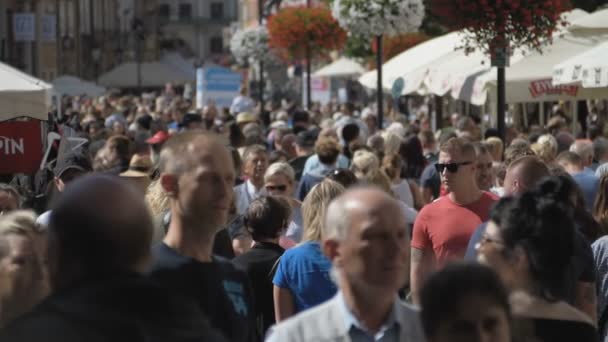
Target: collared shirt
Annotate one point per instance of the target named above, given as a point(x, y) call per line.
point(245, 194)
point(388, 332)
point(252, 192)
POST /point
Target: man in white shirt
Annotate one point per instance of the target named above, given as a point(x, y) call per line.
point(255, 163)
point(369, 251)
point(242, 103)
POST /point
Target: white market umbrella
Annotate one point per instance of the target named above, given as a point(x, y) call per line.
point(342, 67)
point(530, 80)
point(592, 24)
point(74, 86)
point(410, 60)
point(23, 95)
point(590, 69)
point(154, 74)
point(468, 77)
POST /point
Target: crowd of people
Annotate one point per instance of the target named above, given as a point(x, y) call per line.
point(283, 224)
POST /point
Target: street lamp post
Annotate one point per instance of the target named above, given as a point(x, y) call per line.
point(379, 92)
point(96, 55)
point(138, 31)
point(261, 89)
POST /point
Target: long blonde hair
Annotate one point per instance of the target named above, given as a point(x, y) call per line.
point(600, 208)
point(156, 198)
point(315, 205)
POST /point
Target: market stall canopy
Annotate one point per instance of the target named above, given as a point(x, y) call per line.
point(464, 76)
point(590, 69)
point(342, 67)
point(592, 24)
point(530, 80)
point(74, 86)
point(154, 74)
point(410, 60)
point(23, 95)
point(177, 61)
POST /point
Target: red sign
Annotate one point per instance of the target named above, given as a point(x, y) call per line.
point(20, 147)
point(546, 87)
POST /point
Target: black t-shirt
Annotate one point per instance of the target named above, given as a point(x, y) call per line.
point(258, 263)
point(221, 290)
point(298, 164)
point(581, 268)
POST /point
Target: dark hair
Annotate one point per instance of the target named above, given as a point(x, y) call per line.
point(413, 157)
point(236, 136)
point(448, 290)
point(564, 189)
point(122, 145)
point(276, 155)
point(600, 208)
point(266, 217)
point(343, 176)
point(350, 132)
point(593, 131)
point(544, 229)
point(491, 132)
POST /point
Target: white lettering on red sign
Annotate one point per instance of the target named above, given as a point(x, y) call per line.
point(11, 146)
point(545, 87)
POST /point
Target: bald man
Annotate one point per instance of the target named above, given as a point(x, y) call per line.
point(99, 236)
point(369, 249)
point(197, 174)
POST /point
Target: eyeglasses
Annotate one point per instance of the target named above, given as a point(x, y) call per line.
point(276, 187)
point(452, 167)
point(486, 239)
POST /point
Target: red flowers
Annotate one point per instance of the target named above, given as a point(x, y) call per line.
point(292, 28)
point(392, 46)
point(523, 23)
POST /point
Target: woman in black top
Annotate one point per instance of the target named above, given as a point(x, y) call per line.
point(266, 219)
point(529, 241)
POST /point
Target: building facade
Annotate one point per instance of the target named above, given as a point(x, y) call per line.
point(83, 38)
point(28, 36)
point(197, 28)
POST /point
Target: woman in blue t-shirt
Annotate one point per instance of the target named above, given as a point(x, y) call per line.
point(302, 278)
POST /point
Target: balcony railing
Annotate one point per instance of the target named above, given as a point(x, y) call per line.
point(198, 20)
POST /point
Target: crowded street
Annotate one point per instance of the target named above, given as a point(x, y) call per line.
point(304, 170)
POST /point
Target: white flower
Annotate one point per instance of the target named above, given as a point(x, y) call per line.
point(379, 17)
point(251, 45)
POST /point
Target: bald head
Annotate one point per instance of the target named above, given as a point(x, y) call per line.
point(584, 149)
point(368, 201)
point(367, 242)
point(99, 225)
point(523, 174)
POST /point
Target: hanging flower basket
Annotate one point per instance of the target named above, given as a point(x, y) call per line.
point(379, 17)
point(292, 29)
point(250, 46)
point(492, 25)
point(392, 46)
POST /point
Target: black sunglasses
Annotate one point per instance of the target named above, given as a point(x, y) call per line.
point(276, 187)
point(452, 167)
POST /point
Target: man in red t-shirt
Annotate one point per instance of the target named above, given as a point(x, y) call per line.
point(443, 228)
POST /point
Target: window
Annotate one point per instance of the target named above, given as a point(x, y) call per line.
point(185, 11)
point(216, 45)
point(164, 10)
point(217, 10)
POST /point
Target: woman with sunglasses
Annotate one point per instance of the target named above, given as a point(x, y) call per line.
point(528, 242)
point(279, 180)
